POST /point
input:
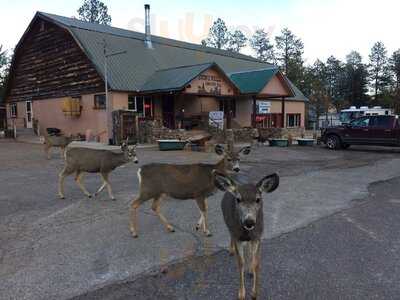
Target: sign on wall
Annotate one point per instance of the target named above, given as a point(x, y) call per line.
point(210, 83)
point(263, 107)
point(216, 119)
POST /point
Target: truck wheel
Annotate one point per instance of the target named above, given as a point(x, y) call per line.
point(333, 142)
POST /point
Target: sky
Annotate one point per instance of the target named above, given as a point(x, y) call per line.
point(329, 27)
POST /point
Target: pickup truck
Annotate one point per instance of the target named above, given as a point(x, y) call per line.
point(368, 130)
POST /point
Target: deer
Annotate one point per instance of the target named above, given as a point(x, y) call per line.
point(182, 182)
point(56, 141)
point(242, 209)
point(80, 160)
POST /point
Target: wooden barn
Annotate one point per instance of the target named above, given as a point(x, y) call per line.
point(58, 79)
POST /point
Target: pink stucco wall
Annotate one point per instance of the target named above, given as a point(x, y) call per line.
point(49, 113)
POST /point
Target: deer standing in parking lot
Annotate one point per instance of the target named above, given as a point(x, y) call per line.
point(191, 181)
point(56, 141)
point(242, 208)
point(79, 160)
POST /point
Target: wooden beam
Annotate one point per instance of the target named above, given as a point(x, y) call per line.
point(283, 112)
point(253, 116)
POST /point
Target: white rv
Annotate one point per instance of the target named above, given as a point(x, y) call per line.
point(346, 115)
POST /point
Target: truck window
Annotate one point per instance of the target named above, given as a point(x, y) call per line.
point(383, 122)
point(362, 122)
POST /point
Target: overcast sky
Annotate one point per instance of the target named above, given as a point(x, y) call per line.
point(327, 27)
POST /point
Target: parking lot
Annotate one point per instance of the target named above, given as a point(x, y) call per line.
point(59, 249)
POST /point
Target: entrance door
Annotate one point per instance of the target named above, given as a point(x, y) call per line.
point(29, 114)
point(168, 111)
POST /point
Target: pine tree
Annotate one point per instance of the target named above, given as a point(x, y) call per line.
point(335, 72)
point(4, 68)
point(262, 46)
point(218, 36)
point(395, 69)
point(379, 70)
point(94, 11)
point(356, 76)
point(289, 54)
point(236, 41)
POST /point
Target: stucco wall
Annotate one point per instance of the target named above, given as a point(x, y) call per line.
point(274, 87)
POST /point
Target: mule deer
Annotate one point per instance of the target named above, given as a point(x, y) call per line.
point(192, 181)
point(242, 207)
point(80, 160)
point(56, 141)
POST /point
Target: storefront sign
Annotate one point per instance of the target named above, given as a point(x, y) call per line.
point(216, 119)
point(264, 107)
point(210, 83)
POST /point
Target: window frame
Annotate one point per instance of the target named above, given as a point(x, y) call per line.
point(296, 120)
point(95, 102)
point(134, 101)
point(13, 110)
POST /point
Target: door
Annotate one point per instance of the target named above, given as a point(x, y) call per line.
point(358, 132)
point(382, 130)
point(168, 111)
point(29, 114)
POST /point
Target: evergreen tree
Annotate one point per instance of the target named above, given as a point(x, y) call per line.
point(4, 68)
point(94, 11)
point(218, 36)
point(316, 88)
point(379, 70)
point(289, 54)
point(261, 45)
point(335, 73)
point(395, 68)
point(236, 41)
point(356, 76)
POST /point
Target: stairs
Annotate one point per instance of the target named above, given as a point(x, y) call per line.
point(27, 135)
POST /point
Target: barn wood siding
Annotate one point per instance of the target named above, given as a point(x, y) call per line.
point(50, 64)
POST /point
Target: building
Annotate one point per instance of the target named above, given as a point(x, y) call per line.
point(57, 79)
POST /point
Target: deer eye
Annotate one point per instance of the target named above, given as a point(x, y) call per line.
point(238, 200)
point(258, 200)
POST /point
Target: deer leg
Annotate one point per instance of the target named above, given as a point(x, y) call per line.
point(202, 204)
point(239, 251)
point(156, 208)
point(62, 152)
point(232, 248)
point(64, 173)
point(47, 150)
point(106, 183)
point(133, 213)
point(255, 266)
point(78, 179)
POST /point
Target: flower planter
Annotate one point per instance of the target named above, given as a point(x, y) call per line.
point(305, 142)
point(279, 142)
point(169, 145)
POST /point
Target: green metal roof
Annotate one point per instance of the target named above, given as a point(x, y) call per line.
point(252, 82)
point(174, 78)
point(133, 70)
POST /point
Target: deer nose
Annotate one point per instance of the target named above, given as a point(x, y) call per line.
point(136, 161)
point(236, 169)
point(249, 224)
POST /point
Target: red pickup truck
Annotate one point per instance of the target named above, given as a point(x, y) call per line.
point(368, 130)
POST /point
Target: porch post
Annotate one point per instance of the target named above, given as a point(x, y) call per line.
point(253, 116)
point(229, 113)
point(283, 113)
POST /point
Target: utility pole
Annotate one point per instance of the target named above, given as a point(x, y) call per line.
point(108, 103)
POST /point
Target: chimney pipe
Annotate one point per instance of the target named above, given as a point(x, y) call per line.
point(147, 39)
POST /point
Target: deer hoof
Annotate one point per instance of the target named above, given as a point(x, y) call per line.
point(208, 234)
point(253, 296)
point(134, 235)
point(113, 199)
point(62, 197)
point(170, 228)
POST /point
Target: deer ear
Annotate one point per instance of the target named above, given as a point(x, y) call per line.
point(219, 149)
point(245, 150)
point(269, 183)
point(224, 183)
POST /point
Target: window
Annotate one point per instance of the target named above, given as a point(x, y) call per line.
point(382, 122)
point(132, 103)
point(13, 110)
point(362, 122)
point(100, 101)
point(293, 120)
